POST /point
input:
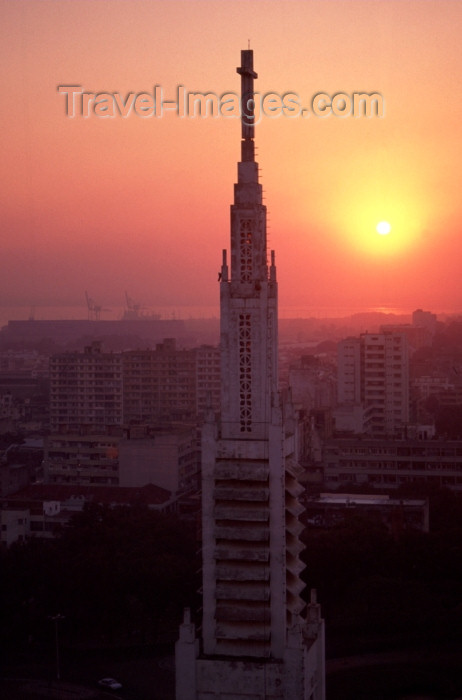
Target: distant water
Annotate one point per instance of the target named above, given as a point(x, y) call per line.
point(45, 313)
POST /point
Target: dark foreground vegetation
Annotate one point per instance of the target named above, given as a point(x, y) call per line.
point(121, 578)
point(381, 591)
point(427, 679)
point(118, 576)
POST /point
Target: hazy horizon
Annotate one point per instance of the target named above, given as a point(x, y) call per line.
point(80, 312)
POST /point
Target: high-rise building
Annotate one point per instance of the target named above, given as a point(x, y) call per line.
point(86, 390)
point(98, 397)
point(94, 390)
point(425, 319)
point(373, 372)
point(170, 383)
point(208, 378)
point(385, 381)
point(86, 417)
point(349, 372)
point(159, 384)
point(258, 638)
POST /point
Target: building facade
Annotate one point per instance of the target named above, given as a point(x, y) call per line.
point(258, 641)
point(373, 372)
point(86, 391)
point(159, 384)
point(82, 458)
point(102, 402)
point(94, 390)
point(168, 458)
point(397, 514)
point(392, 463)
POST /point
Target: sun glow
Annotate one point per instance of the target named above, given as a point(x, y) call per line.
point(383, 227)
point(382, 216)
point(380, 239)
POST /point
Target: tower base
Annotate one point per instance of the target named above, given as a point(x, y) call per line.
point(300, 675)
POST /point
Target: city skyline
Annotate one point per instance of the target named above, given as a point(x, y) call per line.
point(108, 204)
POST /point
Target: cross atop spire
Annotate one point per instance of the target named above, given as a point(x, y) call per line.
point(248, 75)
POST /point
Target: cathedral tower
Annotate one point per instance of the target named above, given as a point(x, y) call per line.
point(258, 641)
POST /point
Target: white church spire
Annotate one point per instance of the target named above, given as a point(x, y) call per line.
point(252, 640)
point(249, 298)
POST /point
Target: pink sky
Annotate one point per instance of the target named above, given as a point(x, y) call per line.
point(108, 205)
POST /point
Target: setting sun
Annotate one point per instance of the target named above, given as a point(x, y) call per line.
point(383, 227)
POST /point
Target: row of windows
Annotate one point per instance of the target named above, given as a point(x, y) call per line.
point(399, 466)
point(394, 479)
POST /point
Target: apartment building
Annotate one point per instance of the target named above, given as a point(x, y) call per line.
point(373, 372)
point(86, 391)
point(98, 400)
point(169, 383)
point(392, 463)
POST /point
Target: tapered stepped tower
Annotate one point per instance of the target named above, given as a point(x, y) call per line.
point(257, 640)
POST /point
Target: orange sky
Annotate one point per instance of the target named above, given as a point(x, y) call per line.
point(142, 205)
